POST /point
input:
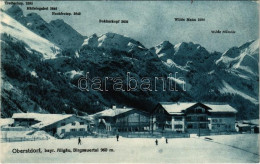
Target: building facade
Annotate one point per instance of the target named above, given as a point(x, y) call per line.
point(122, 120)
point(196, 118)
point(133, 121)
point(58, 125)
point(193, 118)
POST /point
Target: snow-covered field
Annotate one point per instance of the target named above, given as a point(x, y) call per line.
point(238, 148)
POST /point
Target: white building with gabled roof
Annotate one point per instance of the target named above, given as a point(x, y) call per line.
point(122, 120)
point(222, 118)
point(59, 125)
point(193, 117)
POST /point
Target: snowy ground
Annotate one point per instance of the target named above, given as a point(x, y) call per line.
point(238, 148)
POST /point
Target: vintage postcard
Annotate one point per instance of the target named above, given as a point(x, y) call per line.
point(129, 81)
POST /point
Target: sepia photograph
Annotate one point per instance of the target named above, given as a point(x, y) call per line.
point(91, 81)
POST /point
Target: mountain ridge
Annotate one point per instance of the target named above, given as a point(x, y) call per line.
point(51, 84)
point(56, 31)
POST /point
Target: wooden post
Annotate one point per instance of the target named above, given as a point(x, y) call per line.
point(152, 123)
point(139, 122)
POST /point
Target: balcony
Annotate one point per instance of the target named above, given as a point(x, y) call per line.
point(197, 120)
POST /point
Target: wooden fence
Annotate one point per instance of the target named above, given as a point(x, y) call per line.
point(21, 139)
point(154, 135)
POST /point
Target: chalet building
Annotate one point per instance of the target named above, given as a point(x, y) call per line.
point(248, 126)
point(196, 117)
point(106, 119)
point(122, 120)
point(58, 125)
point(222, 118)
point(243, 128)
point(133, 121)
point(192, 117)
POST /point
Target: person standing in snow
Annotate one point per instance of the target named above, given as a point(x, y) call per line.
point(166, 141)
point(117, 137)
point(79, 141)
point(156, 142)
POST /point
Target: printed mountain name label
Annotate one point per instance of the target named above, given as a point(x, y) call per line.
point(189, 19)
point(224, 31)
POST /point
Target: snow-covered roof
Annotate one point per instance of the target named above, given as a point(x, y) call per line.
point(221, 108)
point(6, 121)
point(44, 119)
point(253, 121)
point(243, 125)
point(112, 112)
point(176, 108)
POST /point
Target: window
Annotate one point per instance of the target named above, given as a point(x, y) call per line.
point(214, 120)
point(188, 118)
point(178, 126)
point(62, 130)
point(189, 126)
point(72, 130)
point(73, 123)
point(178, 118)
point(63, 124)
point(203, 126)
point(81, 129)
point(168, 126)
point(81, 123)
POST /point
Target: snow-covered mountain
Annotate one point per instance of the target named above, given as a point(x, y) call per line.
point(57, 31)
point(40, 75)
point(243, 60)
point(11, 27)
point(242, 65)
point(232, 75)
point(113, 41)
point(185, 56)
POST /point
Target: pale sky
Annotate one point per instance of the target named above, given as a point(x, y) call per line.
point(152, 22)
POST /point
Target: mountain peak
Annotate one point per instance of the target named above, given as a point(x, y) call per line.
point(58, 22)
point(34, 17)
point(15, 12)
point(189, 47)
point(111, 40)
point(57, 31)
point(244, 58)
point(164, 47)
point(165, 44)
